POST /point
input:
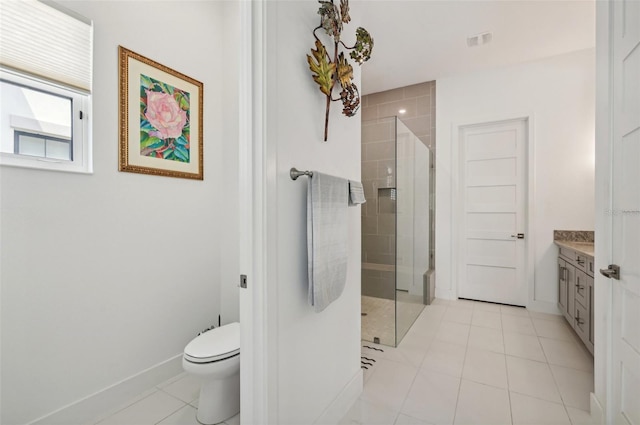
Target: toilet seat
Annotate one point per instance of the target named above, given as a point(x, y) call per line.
point(215, 345)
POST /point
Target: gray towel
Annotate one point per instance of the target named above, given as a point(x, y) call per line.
point(356, 193)
point(327, 198)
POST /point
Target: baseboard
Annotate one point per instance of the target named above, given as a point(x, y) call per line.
point(94, 406)
point(597, 412)
point(343, 402)
point(543, 307)
point(445, 294)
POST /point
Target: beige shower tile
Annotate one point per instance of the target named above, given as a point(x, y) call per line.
point(418, 125)
point(416, 90)
point(369, 225)
point(369, 170)
point(385, 96)
point(369, 113)
point(392, 108)
point(379, 151)
point(424, 106)
point(378, 131)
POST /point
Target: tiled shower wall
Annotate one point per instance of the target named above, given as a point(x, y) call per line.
point(378, 213)
point(378, 174)
point(419, 102)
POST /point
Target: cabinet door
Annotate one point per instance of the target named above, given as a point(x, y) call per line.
point(582, 288)
point(571, 291)
point(581, 323)
point(562, 285)
point(590, 306)
point(590, 267)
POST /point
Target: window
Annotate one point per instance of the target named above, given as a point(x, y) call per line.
point(42, 146)
point(45, 83)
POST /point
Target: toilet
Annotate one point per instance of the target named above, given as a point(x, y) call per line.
point(214, 357)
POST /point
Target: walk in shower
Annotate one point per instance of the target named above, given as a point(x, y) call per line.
point(396, 222)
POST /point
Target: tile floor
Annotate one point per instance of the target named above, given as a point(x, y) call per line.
point(173, 402)
point(466, 362)
point(462, 362)
point(381, 313)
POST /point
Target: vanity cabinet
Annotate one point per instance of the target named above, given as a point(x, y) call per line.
point(575, 292)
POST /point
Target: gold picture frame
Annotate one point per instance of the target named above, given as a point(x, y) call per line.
point(160, 119)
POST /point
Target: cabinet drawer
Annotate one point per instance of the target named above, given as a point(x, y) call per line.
point(581, 262)
point(569, 254)
point(582, 289)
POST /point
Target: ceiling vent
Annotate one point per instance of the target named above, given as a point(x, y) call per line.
point(479, 39)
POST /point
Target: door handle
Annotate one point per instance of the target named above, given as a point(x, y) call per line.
point(612, 272)
point(519, 236)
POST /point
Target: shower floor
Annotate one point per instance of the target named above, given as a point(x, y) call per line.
point(379, 320)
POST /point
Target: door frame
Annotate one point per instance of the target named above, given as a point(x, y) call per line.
point(602, 402)
point(257, 221)
point(457, 200)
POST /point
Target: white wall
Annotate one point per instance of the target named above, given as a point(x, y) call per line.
point(318, 354)
point(558, 94)
point(228, 185)
point(107, 275)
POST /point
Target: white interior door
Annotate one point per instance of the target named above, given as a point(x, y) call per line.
point(493, 189)
point(624, 375)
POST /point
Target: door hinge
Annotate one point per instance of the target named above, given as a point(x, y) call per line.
point(613, 271)
point(243, 281)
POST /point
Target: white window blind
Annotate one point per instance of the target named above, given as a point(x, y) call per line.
point(42, 40)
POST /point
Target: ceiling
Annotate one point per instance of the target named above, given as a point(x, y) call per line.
point(423, 40)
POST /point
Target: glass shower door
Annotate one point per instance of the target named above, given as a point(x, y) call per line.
point(395, 229)
point(412, 227)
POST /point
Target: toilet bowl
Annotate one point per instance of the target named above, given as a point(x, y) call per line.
point(214, 357)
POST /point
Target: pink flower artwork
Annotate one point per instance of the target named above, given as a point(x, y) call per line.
point(165, 128)
point(164, 113)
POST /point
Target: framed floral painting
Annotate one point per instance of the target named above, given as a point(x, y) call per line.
point(160, 119)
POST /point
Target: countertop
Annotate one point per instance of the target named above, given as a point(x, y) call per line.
point(585, 248)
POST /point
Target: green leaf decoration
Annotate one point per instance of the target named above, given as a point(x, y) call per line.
point(146, 126)
point(182, 100)
point(345, 71)
point(145, 81)
point(182, 141)
point(364, 45)
point(182, 153)
point(322, 68)
point(151, 143)
point(330, 19)
point(344, 11)
point(350, 97)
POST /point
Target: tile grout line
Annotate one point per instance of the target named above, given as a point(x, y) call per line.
point(130, 403)
point(466, 350)
point(181, 407)
point(507, 370)
point(417, 371)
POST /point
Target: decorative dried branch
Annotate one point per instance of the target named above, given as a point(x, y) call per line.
point(350, 97)
point(327, 70)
